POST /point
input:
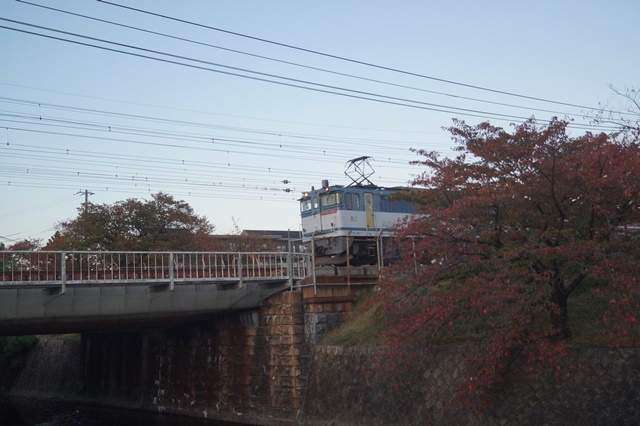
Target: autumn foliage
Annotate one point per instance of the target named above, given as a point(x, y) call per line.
point(508, 230)
point(161, 223)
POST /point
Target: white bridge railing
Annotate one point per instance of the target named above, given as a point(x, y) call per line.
point(77, 267)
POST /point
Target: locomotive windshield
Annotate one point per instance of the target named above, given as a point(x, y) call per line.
point(331, 199)
point(305, 205)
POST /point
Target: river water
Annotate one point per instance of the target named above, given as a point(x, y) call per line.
point(27, 412)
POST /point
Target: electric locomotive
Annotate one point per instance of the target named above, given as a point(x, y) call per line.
point(351, 222)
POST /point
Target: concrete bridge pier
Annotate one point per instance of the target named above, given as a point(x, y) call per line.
point(243, 367)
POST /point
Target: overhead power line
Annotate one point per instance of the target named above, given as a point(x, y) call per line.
point(369, 142)
point(377, 81)
point(202, 147)
point(289, 82)
point(37, 208)
point(264, 77)
point(169, 108)
point(342, 58)
point(6, 238)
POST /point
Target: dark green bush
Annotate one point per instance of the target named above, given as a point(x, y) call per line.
point(13, 356)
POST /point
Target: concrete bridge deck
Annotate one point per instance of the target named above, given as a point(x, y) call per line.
point(58, 292)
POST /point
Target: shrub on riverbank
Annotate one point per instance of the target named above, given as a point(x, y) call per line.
point(13, 356)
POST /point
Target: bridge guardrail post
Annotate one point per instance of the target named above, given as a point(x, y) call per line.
point(239, 266)
point(63, 272)
point(290, 269)
point(313, 265)
point(171, 275)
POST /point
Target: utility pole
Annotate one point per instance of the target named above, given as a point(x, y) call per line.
point(86, 193)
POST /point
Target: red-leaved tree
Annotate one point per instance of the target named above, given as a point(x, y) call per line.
point(29, 244)
point(161, 223)
point(509, 229)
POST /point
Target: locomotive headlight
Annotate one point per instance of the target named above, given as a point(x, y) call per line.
point(305, 194)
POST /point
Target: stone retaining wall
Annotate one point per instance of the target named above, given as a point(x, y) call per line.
point(248, 367)
point(53, 370)
point(599, 386)
point(321, 317)
point(258, 368)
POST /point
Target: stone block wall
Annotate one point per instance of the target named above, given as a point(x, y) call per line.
point(322, 315)
point(598, 386)
point(53, 370)
point(347, 386)
point(229, 372)
point(245, 367)
point(249, 367)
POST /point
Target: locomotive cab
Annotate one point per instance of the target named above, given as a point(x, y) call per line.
point(339, 221)
point(350, 223)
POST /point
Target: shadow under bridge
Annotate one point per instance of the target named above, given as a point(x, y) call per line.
point(46, 292)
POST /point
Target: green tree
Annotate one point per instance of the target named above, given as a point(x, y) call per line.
point(52, 240)
point(161, 223)
point(511, 227)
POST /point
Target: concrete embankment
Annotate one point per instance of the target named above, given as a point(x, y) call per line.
point(53, 370)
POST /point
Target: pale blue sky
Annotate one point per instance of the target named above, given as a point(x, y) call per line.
point(74, 117)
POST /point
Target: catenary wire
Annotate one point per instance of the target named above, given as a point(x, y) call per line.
point(264, 77)
point(296, 64)
point(289, 82)
point(341, 58)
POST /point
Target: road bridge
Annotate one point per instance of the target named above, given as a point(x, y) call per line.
point(46, 292)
